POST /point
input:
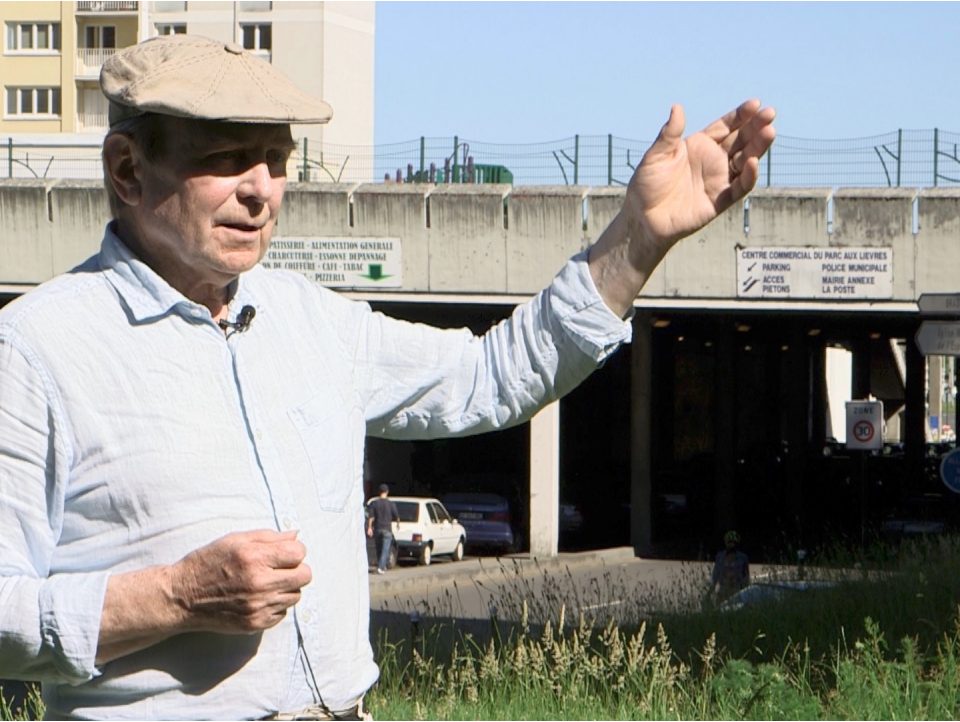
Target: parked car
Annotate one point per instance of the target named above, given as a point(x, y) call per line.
point(486, 517)
point(427, 530)
point(764, 592)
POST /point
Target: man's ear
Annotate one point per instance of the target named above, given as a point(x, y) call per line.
point(121, 163)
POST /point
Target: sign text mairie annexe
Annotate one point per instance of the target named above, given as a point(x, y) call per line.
point(839, 274)
point(340, 262)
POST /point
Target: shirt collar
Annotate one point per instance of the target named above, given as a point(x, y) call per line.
point(148, 296)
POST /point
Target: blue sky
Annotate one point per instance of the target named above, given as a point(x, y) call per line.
point(536, 71)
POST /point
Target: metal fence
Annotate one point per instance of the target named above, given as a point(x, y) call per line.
point(908, 158)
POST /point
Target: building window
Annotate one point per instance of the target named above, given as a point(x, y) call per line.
point(255, 6)
point(33, 102)
point(171, 28)
point(257, 37)
point(100, 36)
point(33, 37)
point(169, 6)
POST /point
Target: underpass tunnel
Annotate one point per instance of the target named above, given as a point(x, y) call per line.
point(745, 430)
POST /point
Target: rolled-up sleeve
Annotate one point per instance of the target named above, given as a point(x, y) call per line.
point(586, 319)
point(416, 381)
point(49, 623)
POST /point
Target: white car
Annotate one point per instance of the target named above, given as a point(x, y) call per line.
point(427, 530)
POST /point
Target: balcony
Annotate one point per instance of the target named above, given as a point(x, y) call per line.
point(92, 121)
point(90, 60)
point(103, 7)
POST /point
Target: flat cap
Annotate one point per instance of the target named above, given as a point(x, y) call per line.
point(190, 76)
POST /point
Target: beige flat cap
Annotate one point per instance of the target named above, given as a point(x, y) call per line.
point(189, 76)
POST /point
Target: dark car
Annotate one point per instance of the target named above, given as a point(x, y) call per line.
point(486, 517)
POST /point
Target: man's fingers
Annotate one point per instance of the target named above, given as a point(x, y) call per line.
point(752, 141)
point(739, 186)
point(753, 138)
point(284, 553)
point(722, 127)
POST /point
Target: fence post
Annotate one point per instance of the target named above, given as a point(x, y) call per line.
point(936, 154)
point(576, 159)
point(899, 153)
point(769, 164)
point(423, 156)
point(305, 171)
point(9, 157)
point(609, 159)
point(456, 149)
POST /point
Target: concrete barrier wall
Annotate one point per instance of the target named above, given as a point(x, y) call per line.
point(468, 241)
point(880, 217)
point(399, 211)
point(544, 228)
point(493, 239)
point(26, 254)
point(704, 264)
point(80, 211)
point(937, 265)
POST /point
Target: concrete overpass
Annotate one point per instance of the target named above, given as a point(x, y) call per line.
point(764, 291)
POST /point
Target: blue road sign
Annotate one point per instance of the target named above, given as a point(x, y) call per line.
point(950, 471)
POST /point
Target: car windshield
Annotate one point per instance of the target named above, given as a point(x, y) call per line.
point(408, 510)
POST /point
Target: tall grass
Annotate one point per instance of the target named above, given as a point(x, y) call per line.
point(884, 643)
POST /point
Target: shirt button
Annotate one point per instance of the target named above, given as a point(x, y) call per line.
point(308, 616)
point(195, 312)
point(287, 523)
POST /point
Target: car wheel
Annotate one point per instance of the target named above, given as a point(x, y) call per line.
point(458, 551)
point(426, 555)
point(392, 562)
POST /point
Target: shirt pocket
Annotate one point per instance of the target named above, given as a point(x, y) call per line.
point(326, 426)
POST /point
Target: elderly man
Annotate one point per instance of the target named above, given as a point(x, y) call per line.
point(181, 527)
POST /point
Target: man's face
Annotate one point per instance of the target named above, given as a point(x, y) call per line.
point(208, 206)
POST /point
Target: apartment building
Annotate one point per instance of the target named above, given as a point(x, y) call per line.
point(54, 115)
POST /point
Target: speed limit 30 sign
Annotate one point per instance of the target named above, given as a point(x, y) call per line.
point(865, 425)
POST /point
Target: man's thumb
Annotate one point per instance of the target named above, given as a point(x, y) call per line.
point(673, 129)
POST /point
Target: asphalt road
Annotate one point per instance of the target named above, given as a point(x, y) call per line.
point(602, 585)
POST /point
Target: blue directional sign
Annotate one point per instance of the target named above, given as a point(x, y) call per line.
point(950, 471)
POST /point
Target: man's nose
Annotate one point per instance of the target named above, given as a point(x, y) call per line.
point(257, 182)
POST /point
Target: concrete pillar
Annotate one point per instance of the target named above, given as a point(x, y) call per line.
point(641, 447)
point(860, 385)
point(545, 481)
point(914, 421)
point(935, 390)
point(725, 426)
point(797, 425)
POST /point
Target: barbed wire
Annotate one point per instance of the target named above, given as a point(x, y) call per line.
point(907, 158)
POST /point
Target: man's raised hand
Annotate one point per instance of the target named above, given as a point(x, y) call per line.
point(680, 186)
point(683, 184)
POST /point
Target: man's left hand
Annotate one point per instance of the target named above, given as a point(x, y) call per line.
point(679, 187)
point(683, 184)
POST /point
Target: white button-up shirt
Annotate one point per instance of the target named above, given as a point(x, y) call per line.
point(134, 431)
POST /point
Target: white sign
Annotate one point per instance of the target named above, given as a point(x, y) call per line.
point(839, 274)
point(939, 338)
point(340, 262)
point(865, 425)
